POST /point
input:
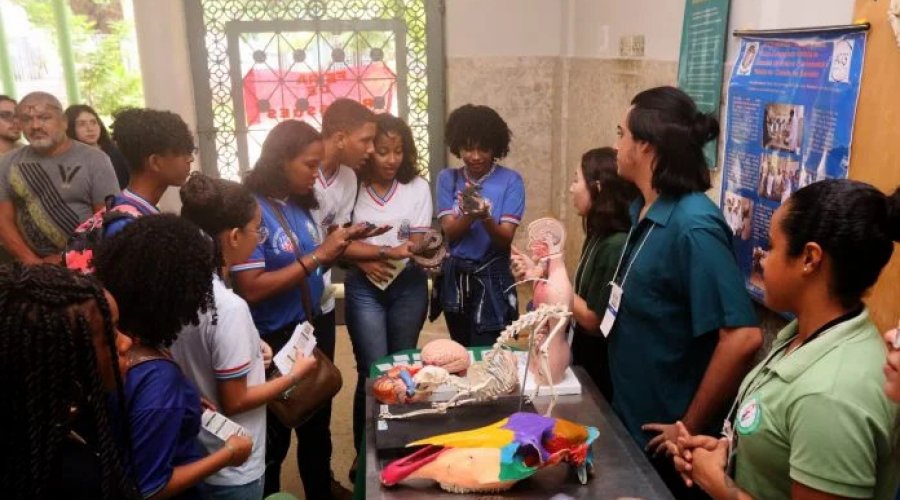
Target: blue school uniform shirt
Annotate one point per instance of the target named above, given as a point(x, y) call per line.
point(505, 190)
point(286, 308)
point(126, 197)
point(164, 415)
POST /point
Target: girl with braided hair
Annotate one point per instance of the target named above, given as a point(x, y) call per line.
point(158, 268)
point(59, 361)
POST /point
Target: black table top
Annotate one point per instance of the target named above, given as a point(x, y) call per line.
point(620, 468)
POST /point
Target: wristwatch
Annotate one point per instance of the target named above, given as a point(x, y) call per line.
point(382, 251)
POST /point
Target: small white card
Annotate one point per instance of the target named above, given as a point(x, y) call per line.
point(303, 337)
point(396, 267)
point(612, 310)
point(220, 426)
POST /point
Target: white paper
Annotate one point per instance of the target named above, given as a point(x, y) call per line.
point(220, 426)
point(303, 337)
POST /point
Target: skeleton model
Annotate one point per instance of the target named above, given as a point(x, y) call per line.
point(494, 376)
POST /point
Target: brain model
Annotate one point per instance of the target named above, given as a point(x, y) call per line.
point(447, 354)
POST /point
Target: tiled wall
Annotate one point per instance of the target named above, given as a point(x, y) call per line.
point(558, 108)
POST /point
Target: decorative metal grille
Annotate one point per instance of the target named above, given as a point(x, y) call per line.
point(291, 58)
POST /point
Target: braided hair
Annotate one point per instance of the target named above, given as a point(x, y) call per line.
point(48, 365)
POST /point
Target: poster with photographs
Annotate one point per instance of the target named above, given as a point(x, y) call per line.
point(791, 107)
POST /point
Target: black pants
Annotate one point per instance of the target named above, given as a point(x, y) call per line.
point(313, 436)
point(592, 353)
point(462, 330)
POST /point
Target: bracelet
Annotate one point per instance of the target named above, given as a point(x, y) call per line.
point(305, 269)
point(382, 251)
point(315, 259)
point(230, 449)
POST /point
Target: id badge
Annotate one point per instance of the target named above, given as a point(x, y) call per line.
point(612, 309)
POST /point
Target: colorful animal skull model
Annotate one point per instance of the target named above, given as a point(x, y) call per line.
point(430, 251)
point(495, 457)
point(473, 203)
point(546, 241)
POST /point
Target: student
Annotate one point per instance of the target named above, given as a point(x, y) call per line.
point(59, 359)
point(602, 199)
point(683, 308)
point(86, 126)
point(159, 148)
point(283, 284)
point(348, 129)
point(223, 355)
point(386, 308)
point(475, 290)
point(812, 419)
point(158, 270)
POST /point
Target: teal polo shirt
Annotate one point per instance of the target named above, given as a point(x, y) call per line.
point(681, 287)
point(819, 416)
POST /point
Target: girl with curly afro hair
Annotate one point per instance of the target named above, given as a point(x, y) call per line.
point(475, 290)
point(59, 361)
point(158, 269)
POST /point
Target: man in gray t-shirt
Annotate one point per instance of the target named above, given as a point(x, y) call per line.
point(50, 186)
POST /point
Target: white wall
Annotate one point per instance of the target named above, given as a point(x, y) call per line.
point(599, 24)
point(484, 28)
point(779, 14)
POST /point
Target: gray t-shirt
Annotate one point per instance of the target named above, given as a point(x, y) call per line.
point(53, 195)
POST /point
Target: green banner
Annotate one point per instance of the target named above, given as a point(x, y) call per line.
point(702, 57)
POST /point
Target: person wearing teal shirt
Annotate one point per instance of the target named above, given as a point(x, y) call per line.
point(682, 333)
point(813, 420)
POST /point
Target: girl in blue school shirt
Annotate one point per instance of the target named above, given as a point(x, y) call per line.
point(475, 289)
point(283, 284)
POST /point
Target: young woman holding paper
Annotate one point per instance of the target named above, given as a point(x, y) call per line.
point(223, 355)
point(387, 296)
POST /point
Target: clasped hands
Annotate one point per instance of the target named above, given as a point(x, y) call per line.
point(699, 459)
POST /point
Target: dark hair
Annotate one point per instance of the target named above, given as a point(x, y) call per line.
point(142, 132)
point(48, 364)
point(286, 141)
point(72, 113)
point(158, 269)
point(611, 195)
point(409, 166)
point(345, 115)
point(470, 125)
point(4, 98)
point(216, 205)
point(668, 119)
point(853, 222)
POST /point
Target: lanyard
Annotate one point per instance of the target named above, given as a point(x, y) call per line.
point(586, 257)
point(632, 258)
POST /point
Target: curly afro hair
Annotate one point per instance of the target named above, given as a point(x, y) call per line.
point(142, 132)
point(470, 126)
point(159, 269)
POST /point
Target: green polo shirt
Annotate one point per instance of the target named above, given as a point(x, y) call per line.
point(682, 286)
point(819, 416)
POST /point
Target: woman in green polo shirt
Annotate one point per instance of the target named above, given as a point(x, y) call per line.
point(812, 420)
point(601, 198)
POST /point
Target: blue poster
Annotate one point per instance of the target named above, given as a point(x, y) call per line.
point(791, 108)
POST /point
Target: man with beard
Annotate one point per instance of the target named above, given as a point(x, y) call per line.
point(9, 129)
point(50, 186)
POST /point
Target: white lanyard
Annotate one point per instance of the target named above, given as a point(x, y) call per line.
point(633, 257)
point(615, 294)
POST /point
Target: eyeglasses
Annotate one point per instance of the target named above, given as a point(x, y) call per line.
point(262, 234)
point(42, 119)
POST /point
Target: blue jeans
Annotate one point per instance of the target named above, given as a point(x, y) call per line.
point(250, 491)
point(381, 322)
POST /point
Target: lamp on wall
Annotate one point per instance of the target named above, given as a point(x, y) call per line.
point(894, 18)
